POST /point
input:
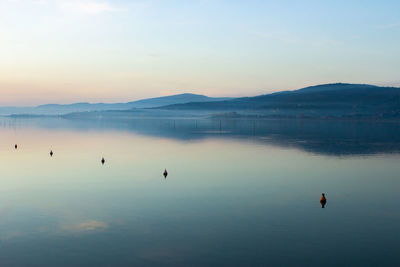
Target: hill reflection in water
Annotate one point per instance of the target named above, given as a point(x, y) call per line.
point(240, 192)
point(329, 137)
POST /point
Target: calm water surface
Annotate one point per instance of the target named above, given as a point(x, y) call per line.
point(228, 199)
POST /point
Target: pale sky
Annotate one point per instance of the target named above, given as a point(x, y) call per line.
point(63, 51)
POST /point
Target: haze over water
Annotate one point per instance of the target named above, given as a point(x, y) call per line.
point(199, 133)
point(233, 196)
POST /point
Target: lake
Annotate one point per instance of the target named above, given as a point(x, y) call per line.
point(238, 192)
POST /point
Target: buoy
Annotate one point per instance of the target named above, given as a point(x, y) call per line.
point(322, 200)
point(102, 161)
point(165, 173)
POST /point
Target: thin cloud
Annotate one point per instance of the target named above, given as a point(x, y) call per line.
point(41, 2)
point(388, 26)
point(78, 6)
point(90, 7)
point(288, 38)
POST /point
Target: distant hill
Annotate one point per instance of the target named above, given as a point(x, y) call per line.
point(328, 100)
point(174, 99)
point(339, 100)
point(58, 109)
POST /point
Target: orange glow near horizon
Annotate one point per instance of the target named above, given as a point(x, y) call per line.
point(120, 51)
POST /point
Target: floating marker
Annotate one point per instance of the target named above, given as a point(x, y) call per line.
point(322, 200)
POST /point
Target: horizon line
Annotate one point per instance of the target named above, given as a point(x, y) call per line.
point(186, 93)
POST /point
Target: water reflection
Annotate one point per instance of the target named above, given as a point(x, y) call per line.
point(330, 137)
point(234, 199)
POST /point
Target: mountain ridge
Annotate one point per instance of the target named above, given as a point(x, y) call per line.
point(60, 109)
point(336, 99)
point(318, 101)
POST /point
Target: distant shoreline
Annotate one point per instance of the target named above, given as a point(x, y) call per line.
point(222, 116)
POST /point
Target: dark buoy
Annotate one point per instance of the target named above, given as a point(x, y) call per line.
point(165, 173)
point(15, 146)
point(51, 153)
point(102, 161)
point(322, 200)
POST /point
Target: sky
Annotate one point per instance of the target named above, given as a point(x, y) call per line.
point(64, 51)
